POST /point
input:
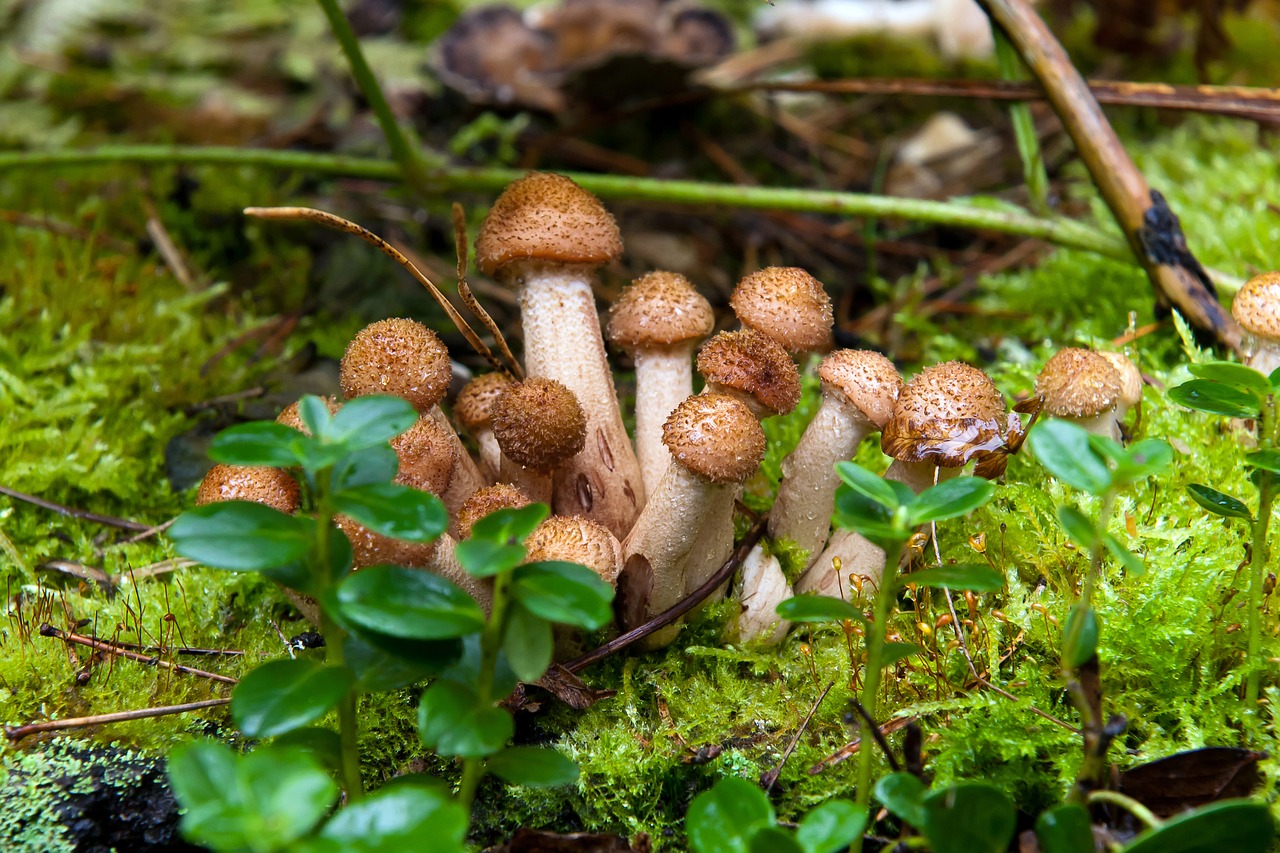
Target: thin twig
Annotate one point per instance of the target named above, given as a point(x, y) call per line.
point(469, 299)
point(850, 749)
point(877, 734)
point(169, 252)
point(72, 512)
point(16, 733)
point(47, 630)
point(179, 650)
point(770, 778)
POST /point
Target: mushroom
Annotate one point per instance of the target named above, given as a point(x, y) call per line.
point(492, 56)
point(788, 305)
point(289, 415)
point(754, 368)
point(273, 487)
point(573, 539)
point(658, 319)
point(1081, 386)
point(428, 456)
point(474, 410)
point(1130, 388)
point(546, 235)
point(1256, 307)
point(539, 426)
point(716, 444)
point(488, 500)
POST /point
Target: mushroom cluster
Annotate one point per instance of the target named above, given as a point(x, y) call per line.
point(653, 512)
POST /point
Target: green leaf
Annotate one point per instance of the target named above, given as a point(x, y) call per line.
point(400, 817)
point(512, 525)
point(1274, 379)
point(1132, 562)
point(855, 511)
point(723, 819)
point(1065, 829)
point(1267, 460)
point(969, 818)
point(533, 767)
point(262, 801)
point(832, 826)
point(903, 795)
point(241, 536)
point(301, 573)
point(949, 499)
point(1219, 503)
point(871, 486)
point(1216, 399)
point(367, 466)
point(258, 443)
point(408, 603)
point(1235, 375)
point(325, 745)
point(453, 721)
point(1143, 459)
point(481, 558)
point(366, 421)
point(377, 671)
point(1241, 826)
point(971, 576)
point(892, 652)
point(1078, 527)
point(818, 608)
point(566, 593)
point(1080, 639)
point(773, 839)
point(528, 643)
point(284, 695)
point(314, 414)
point(394, 510)
point(1064, 450)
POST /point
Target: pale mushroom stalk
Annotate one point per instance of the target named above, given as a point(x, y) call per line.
point(474, 410)
point(466, 477)
point(664, 378)
point(1256, 307)
point(1084, 387)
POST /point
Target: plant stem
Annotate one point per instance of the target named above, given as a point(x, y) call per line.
point(442, 181)
point(1095, 552)
point(1129, 804)
point(1024, 128)
point(490, 644)
point(871, 679)
point(1258, 556)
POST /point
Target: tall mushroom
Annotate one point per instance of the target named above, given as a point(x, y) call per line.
point(474, 410)
point(659, 319)
point(546, 235)
point(539, 427)
point(1256, 307)
point(1081, 386)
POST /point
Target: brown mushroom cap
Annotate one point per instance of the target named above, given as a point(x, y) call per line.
point(399, 357)
point(788, 305)
point(716, 437)
point(547, 217)
point(289, 415)
point(428, 456)
point(660, 308)
point(487, 500)
point(753, 364)
point(576, 540)
point(1130, 377)
point(374, 549)
point(274, 487)
point(1078, 383)
point(945, 415)
point(867, 379)
point(1256, 306)
point(474, 407)
point(539, 424)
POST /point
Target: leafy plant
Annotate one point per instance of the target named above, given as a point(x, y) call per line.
point(735, 816)
point(385, 627)
point(1236, 391)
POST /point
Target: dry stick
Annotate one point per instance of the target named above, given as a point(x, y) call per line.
point(772, 775)
point(47, 630)
point(1152, 229)
point(15, 733)
point(677, 610)
point(876, 734)
point(469, 298)
point(850, 749)
point(71, 512)
point(310, 214)
point(180, 650)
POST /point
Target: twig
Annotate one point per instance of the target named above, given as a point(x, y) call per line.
point(180, 650)
point(850, 749)
point(770, 778)
point(47, 630)
point(16, 733)
point(168, 250)
point(876, 733)
point(469, 299)
point(71, 512)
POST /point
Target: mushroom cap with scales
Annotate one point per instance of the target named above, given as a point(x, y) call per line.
point(867, 379)
point(945, 415)
point(400, 357)
point(716, 437)
point(659, 309)
point(1256, 306)
point(547, 217)
point(539, 424)
point(752, 364)
point(1078, 383)
point(788, 305)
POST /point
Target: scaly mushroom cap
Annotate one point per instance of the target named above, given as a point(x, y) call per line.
point(788, 305)
point(474, 407)
point(867, 379)
point(716, 437)
point(539, 424)
point(659, 308)
point(374, 549)
point(274, 487)
point(428, 456)
point(399, 357)
point(755, 365)
point(1130, 378)
point(1256, 306)
point(547, 217)
point(289, 415)
point(574, 539)
point(487, 500)
point(1078, 383)
point(945, 415)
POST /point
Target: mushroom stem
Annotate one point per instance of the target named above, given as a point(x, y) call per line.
point(444, 562)
point(466, 476)
point(664, 378)
point(536, 484)
point(763, 586)
point(1264, 356)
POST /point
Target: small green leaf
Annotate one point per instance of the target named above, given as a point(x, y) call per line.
point(903, 795)
point(1274, 379)
point(301, 573)
point(400, 817)
point(855, 511)
point(1216, 399)
point(871, 486)
point(1145, 458)
point(367, 466)
point(366, 421)
point(819, 608)
point(1065, 829)
point(533, 767)
point(1132, 562)
point(566, 593)
point(393, 510)
point(1235, 375)
point(971, 576)
point(949, 499)
point(241, 536)
point(481, 558)
point(723, 819)
point(453, 721)
point(1080, 639)
point(262, 443)
point(512, 525)
point(1241, 826)
point(1267, 460)
point(891, 652)
point(773, 839)
point(528, 643)
point(314, 414)
point(325, 745)
point(284, 695)
point(1218, 503)
point(377, 671)
point(969, 818)
point(1078, 527)
point(1063, 448)
point(832, 826)
point(408, 603)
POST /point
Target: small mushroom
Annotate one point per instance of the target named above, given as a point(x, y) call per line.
point(474, 410)
point(788, 305)
point(754, 368)
point(539, 426)
point(492, 56)
point(1130, 388)
point(489, 500)
point(428, 456)
point(289, 415)
point(1081, 386)
point(273, 487)
point(574, 539)
point(1256, 307)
